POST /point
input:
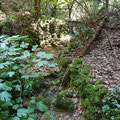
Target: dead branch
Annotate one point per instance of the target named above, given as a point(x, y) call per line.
point(95, 35)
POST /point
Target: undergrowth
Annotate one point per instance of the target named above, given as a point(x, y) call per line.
point(17, 81)
point(94, 102)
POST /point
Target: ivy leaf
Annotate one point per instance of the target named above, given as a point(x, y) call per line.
point(19, 100)
point(15, 67)
point(41, 63)
point(25, 76)
point(22, 112)
point(24, 45)
point(11, 74)
point(49, 56)
point(5, 96)
point(30, 110)
point(52, 64)
point(5, 87)
point(44, 55)
point(105, 107)
point(16, 118)
point(34, 47)
point(1, 66)
point(42, 107)
point(34, 75)
point(15, 107)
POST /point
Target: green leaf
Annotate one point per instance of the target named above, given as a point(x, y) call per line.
point(16, 118)
point(15, 67)
point(44, 55)
point(1, 66)
point(25, 76)
point(30, 110)
point(19, 100)
point(15, 107)
point(5, 87)
point(5, 96)
point(42, 107)
point(105, 107)
point(52, 64)
point(53, 118)
point(30, 119)
point(24, 45)
point(41, 63)
point(34, 47)
point(11, 74)
point(22, 112)
point(34, 75)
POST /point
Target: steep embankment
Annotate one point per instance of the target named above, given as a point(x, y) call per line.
point(105, 62)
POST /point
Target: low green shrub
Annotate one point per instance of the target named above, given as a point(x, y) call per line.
point(16, 78)
point(43, 99)
point(91, 93)
point(111, 105)
point(64, 103)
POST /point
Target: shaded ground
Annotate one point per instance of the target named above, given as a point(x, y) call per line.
point(105, 63)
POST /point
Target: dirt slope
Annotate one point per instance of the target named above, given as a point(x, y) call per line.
point(105, 63)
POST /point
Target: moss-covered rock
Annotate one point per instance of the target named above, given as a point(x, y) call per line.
point(66, 93)
point(64, 104)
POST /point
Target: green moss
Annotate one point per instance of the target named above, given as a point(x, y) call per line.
point(90, 93)
point(66, 93)
point(57, 82)
point(64, 104)
point(39, 83)
point(64, 62)
point(43, 99)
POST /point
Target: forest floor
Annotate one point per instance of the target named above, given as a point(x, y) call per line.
point(104, 64)
point(104, 61)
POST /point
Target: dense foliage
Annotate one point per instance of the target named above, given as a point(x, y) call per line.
point(17, 80)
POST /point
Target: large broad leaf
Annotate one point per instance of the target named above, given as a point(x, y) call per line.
point(34, 75)
point(10, 74)
point(16, 118)
point(15, 107)
point(42, 107)
point(52, 64)
point(5, 96)
point(41, 63)
point(25, 76)
point(44, 55)
point(24, 45)
point(4, 87)
point(30, 110)
point(34, 47)
point(22, 112)
point(1, 66)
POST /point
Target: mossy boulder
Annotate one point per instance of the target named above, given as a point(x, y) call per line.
point(66, 93)
point(64, 104)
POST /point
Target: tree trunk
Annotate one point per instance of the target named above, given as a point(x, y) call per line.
point(37, 8)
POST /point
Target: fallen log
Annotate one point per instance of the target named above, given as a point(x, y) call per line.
point(94, 37)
